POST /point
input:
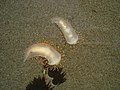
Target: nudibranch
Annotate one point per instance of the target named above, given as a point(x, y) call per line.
point(43, 50)
point(67, 30)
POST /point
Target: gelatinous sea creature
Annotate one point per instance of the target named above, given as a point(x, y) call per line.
point(43, 50)
point(66, 28)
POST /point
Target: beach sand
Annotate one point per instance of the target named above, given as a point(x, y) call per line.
point(94, 63)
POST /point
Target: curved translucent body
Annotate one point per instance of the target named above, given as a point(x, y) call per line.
point(66, 28)
point(43, 50)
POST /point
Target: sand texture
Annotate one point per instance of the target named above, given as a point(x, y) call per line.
point(94, 63)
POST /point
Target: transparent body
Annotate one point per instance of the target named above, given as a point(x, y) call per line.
point(43, 50)
point(66, 28)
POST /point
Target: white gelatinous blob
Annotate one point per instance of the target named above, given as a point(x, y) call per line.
point(66, 28)
point(43, 50)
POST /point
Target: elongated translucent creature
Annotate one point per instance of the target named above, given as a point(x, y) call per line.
point(43, 50)
point(66, 28)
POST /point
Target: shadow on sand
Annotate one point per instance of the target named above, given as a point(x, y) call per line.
point(40, 83)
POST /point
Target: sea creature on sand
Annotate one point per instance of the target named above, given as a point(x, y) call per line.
point(67, 30)
point(44, 50)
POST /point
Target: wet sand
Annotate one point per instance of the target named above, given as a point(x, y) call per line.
point(94, 64)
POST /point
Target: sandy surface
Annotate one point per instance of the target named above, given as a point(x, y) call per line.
point(93, 65)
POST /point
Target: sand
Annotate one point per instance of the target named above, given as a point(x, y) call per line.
point(94, 63)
